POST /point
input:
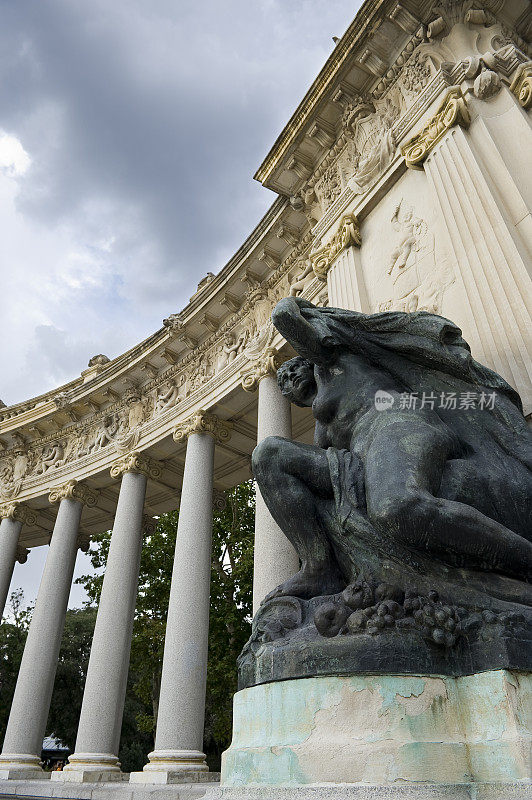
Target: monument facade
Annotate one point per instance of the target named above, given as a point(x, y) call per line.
point(403, 187)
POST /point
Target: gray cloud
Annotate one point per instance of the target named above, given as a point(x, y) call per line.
point(144, 123)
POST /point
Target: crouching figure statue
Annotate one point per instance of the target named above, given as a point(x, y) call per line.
point(412, 510)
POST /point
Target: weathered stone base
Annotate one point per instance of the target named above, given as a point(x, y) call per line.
point(91, 768)
point(206, 791)
point(174, 766)
point(387, 731)
point(17, 767)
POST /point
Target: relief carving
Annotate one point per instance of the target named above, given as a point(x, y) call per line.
point(371, 129)
point(52, 457)
point(166, 396)
point(232, 346)
point(416, 281)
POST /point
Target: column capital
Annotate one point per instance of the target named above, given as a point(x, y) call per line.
point(204, 422)
point(268, 364)
point(72, 490)
point(22, 554)
point(136, 462)
point(521, 85)
point(18, 512)
point(451, 111)
point(348, 234)
point(148, 525)
point(84, 541)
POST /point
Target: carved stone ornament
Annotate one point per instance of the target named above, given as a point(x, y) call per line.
point(148, 525)
point(22, 554)
point(203, 422)
point(521, 85)
point(136, 462)
point(18, 512)
point(72, 490)
point(347, 234)
point(268, 364)
point(452, 111)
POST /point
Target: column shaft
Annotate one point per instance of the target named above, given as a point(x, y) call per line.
point(493, 262)
point(275, 560)
point(345, 282)
point(179, 737)
point(98, 738)
point(9, 534)
point(33, 692)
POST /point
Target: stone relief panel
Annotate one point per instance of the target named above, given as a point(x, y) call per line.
point(404, 255)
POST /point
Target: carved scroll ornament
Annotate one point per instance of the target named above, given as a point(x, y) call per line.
point(452, 111)
point(521, 85)
point(347, 234)
point(72, 490)
point(18, 512)
point(136, 462)
point(268, 364)
point(203, 422)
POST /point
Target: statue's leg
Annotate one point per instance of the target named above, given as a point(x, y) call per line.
point(294, 480)
point(404, 467)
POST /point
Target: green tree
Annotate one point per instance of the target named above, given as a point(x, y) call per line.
point(13, 634)
point(231, 590)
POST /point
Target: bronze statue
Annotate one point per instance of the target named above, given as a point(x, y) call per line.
point(419, 481)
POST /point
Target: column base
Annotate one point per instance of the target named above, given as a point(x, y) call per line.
point(91, 768)
point(20, 767)
point(174, 766)
point(388, 731)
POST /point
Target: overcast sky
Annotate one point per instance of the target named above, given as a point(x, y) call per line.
point(129, 134)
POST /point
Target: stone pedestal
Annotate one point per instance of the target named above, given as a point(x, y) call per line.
point(383, 731)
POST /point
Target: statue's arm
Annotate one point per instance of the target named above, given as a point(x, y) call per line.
point(297, 330)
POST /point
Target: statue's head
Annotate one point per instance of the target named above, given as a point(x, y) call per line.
point(296, 381)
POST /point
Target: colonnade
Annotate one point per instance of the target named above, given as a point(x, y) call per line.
point(179, 733)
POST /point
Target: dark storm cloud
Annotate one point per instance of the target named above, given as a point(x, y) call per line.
point(144, 122)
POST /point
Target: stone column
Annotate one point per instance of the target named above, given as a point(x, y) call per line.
point(180, 722)
point(338, 263)
point(31, 702)
point(275, 560)
point(98, 739)
point(485, 209)
point(13, 516)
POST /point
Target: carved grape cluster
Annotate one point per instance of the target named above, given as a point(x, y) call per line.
point(363, 608)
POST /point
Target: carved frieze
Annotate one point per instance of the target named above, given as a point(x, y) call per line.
point(348, 233)
point(204, 422)
point(452, 111)
point(72, 490)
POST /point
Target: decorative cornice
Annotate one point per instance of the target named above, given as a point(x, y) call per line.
point(348, 234)
point(267, 364)
point(204, 422)
point(72, 490)
point(18, 512)
point(452, 111)
point(136, 462)
point(521, 85)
